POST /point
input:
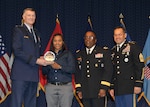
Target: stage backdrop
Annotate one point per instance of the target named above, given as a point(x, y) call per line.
point(73, 19)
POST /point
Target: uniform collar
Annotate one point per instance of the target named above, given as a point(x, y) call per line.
point(28, 27)
point(91, 49)
point(120, 45)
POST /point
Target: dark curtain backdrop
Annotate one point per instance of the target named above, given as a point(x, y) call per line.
point(73, 18)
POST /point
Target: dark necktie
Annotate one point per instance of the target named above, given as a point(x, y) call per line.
point(34, 36)
point(88, 51)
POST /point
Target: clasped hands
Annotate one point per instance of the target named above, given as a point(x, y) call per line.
point(137, 90)
point(102, 93)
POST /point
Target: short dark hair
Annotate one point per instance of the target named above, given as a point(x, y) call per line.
point(90, 31)
point(120, 27)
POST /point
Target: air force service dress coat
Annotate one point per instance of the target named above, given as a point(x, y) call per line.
point(26, 52)
point(128, 66)
point(94, 71)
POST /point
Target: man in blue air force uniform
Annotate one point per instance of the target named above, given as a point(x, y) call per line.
point(26, 49)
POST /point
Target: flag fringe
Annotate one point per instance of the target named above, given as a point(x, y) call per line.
point(8, 93)
point(77, 98)
point(40, 87)
point(143, 95)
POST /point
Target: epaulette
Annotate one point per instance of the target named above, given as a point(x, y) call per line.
point(132, 42)
point(113, 47)
point(105, 47)
point(77, 51)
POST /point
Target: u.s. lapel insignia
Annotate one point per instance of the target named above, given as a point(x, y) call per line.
point(112, 55)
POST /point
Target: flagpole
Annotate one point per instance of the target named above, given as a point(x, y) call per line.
point(123, 25)
point(121, 20)
point(89, 21)
point(57, 18)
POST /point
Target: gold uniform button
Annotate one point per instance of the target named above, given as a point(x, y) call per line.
point(117, 62)
point(118, 67)
point(87, 66)
point(96, 65)
point(117, 56)
point(87, 62)
point(88, 71)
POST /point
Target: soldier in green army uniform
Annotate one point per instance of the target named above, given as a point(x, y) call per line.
point(94, 72)
point(128, 65)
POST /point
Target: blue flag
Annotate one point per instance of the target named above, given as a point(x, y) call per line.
point(123, 25)
point(146, 54)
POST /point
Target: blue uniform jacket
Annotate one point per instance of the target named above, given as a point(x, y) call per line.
point(26, 52)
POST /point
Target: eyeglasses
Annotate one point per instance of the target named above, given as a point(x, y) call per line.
point(89, 37)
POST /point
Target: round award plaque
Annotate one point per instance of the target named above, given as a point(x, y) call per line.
point(49, 56)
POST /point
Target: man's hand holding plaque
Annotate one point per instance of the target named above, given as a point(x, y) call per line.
point(49, 56)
